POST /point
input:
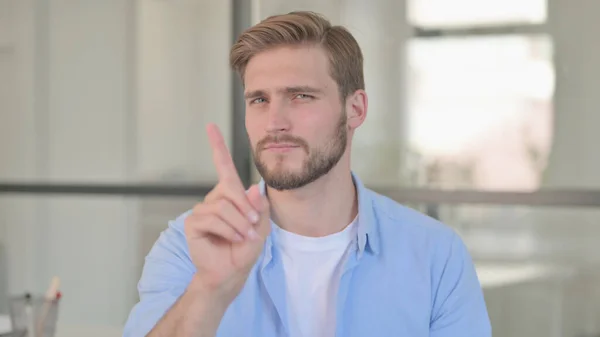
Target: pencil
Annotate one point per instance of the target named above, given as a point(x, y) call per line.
point(51, 296)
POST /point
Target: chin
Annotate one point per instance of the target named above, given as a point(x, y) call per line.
point(283, 163)
point(282, 170)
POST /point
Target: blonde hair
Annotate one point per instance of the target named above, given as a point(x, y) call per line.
point(298, 28)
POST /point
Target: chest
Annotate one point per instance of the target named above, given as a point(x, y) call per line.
point(370, 300)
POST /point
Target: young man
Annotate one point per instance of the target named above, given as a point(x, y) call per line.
point(309, 251)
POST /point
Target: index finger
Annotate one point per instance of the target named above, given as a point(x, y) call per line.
point(221, 157)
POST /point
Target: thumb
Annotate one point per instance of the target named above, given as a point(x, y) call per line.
point(261, 204)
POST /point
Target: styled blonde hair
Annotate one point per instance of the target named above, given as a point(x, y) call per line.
point(304, 28)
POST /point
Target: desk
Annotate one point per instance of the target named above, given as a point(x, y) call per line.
point(70, 330)
point(87, 331)
point(4, 324)
point(497, 275)
point(526, 299)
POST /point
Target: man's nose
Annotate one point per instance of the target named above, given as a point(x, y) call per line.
point(278, 118)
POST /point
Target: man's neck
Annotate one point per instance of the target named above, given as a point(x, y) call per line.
point(321, 208)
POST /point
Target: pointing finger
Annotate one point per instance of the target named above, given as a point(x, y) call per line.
point(221, 156)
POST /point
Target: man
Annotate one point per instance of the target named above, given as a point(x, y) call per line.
point(309, 251)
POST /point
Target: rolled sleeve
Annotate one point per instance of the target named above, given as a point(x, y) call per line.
point(167, 272)
point(459, 307)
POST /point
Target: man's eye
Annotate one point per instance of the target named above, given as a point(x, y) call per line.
point(258, 100)
point(303, 96)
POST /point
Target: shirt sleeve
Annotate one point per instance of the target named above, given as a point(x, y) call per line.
point(167, 272)
point(459, 307)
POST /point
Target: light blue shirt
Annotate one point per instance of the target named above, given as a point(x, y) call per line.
point(408, 275)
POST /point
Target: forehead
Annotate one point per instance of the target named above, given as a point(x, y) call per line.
point(288, 66)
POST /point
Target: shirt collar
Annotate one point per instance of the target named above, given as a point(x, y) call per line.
point(367, 231)
point(368, 235)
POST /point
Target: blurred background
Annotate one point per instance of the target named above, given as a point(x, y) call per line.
point(483, 114)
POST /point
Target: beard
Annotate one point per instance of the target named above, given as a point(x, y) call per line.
point(319, 162)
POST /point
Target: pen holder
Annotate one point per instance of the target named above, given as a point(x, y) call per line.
point(33, 316)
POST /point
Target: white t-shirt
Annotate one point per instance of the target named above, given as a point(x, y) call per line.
point(313, 269)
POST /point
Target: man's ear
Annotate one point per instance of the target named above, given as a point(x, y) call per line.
point(356, 108)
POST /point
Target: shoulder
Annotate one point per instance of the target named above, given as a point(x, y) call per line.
point(171, 242)
point(414, 229)
point(178, 223)
point(175, 229)
point(413, 236)
point(391, 213)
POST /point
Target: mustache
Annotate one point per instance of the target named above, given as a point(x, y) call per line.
point(282, 138)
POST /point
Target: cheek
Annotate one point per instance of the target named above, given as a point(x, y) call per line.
point(256, 132)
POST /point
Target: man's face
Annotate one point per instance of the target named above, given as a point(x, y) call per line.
point(295, 119)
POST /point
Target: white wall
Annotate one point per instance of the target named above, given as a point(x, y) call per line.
point(574, 161)
point(102, 91)
point(575, 157)
point(571, 234)
point(18, 143)
point(83, 86)
point(184, 82)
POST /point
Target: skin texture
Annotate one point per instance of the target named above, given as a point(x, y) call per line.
point(300, 111)
point(292, 100)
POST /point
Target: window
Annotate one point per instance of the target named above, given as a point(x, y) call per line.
point(452, 13)
point(479, 107)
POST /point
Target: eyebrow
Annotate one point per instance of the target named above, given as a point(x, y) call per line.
point(287, 90)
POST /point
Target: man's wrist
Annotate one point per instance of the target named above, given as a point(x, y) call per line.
point(208, 296)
